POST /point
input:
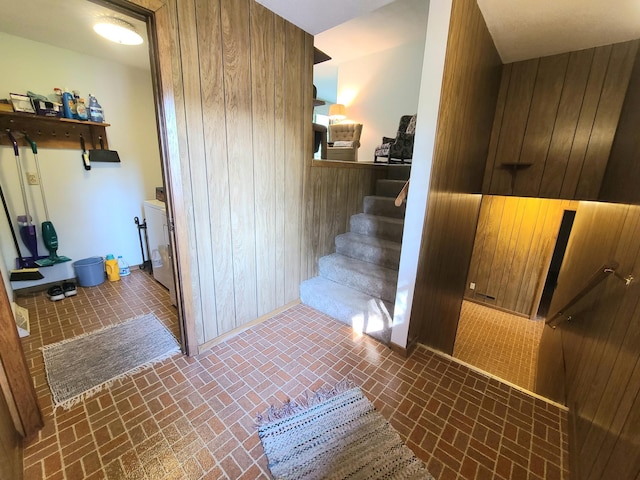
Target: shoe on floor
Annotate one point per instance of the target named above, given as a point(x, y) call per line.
point(55, 293)
point(69, 289)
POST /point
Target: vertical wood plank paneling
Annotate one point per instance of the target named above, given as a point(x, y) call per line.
point(217, 179)
point(294, 51)
point(497, 127)
point(512, 251)
point(280, 158)
point(516, 114)
point(541, 122)
point(601, 345)
point(444, 259)
point(308, 142)
point(585, 121)
point(606, 120)
point(198, 186)
point(263, 127)
point(236, 49)
point(575, 83)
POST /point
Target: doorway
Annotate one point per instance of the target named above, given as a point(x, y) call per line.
point(93, 210)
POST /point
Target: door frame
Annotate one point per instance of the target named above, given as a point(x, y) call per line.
point(160, 17)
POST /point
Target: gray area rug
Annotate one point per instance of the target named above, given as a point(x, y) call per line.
point(82, 366)
point(335, 434)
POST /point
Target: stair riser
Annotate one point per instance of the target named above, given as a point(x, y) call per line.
point(389, 188)
point(383, 207)
point(385, 257)
point(375, 227)
point(383, 287)
point(399, 172)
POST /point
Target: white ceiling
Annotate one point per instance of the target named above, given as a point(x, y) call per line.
point(68, 24)
point(348, 29)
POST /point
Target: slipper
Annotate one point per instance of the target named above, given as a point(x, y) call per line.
point(69, 289)
point(55, 293)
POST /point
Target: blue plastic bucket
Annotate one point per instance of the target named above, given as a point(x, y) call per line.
point(90, 271)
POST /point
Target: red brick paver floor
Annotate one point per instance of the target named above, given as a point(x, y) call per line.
point(194, 417)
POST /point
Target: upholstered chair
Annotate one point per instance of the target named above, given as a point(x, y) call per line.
point(400, 148)
point(344, 141)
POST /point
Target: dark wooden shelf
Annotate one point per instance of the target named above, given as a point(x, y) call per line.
point(51, 132)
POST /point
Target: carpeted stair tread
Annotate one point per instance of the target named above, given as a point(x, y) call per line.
point(389, 188)
point(376, 226)
point(369, 249)
point(371, 279)
point(383, 206)
point(398, 172)
point(350, 306)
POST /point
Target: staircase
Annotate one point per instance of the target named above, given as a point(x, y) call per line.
point(357, 284)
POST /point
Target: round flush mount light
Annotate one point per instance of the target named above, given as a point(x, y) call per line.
point(117, 31)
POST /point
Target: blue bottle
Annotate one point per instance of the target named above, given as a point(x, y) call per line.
point(95, 110)
point(67, 104)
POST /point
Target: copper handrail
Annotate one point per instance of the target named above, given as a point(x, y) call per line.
point(603, 272)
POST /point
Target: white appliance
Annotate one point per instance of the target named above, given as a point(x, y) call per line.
point(159, 250)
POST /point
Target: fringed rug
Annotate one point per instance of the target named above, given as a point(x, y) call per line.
point(335, 434)
point(80, 367)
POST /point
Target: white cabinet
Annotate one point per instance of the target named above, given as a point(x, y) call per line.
point(159, 249)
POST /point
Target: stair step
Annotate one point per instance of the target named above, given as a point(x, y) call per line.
point(389, 188)
point(399, 172)
point(369, 249)
point(374, 226)
point(383, 206)
point(374, 280)
point(363, 312)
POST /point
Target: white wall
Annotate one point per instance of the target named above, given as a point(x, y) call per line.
point(378, 89)
point(92, 210)
point(431, 87)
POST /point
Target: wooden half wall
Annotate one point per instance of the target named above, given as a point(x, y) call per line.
point(235, 87)
point(512, 251)
point(600, 345)
point(467, 105)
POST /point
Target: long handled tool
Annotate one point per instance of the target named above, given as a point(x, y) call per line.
point(27, 228)
point(49, 235)
point(23, 273)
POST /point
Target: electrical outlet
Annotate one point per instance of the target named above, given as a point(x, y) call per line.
point(472, 286)
point(32, 178)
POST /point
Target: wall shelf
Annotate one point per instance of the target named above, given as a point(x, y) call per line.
point(51, 132)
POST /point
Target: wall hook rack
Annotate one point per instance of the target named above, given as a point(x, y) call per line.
point(51, 132)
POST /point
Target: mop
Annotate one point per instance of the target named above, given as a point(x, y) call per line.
point(26, 227)
point(49, 235)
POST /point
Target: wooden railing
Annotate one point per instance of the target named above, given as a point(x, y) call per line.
point(599, 275)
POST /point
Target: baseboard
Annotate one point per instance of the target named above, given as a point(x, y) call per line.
point(236, 331)
point(404, 351)
point(496, 307)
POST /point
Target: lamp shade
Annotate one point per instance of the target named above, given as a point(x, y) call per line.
point(337, 110)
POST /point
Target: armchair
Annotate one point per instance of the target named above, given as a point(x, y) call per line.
point(400, 147)
point(344, 141)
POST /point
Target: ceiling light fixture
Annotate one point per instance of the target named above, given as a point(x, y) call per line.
point(117, 31)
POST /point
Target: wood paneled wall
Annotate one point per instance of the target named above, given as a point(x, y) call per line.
point(512, 251)
point(601, 344)
point(469, 90)
point(10, 444)
point(241, 86)
point(555, 123)
point(336, 191)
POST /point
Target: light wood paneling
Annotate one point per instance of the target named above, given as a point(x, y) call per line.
point(335, 192)
point(468, 101)
point(234, 91)
point(512, 250)
point(601, 344)
point(555, 122)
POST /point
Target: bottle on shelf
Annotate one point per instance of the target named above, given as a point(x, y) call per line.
point(81, 109)
point(68, 104)
point(96, 113)
point(123, 266)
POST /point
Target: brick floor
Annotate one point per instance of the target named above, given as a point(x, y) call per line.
point(194, 417)
point(500, 343)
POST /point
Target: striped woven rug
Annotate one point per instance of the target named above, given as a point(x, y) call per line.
point(335, 434)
